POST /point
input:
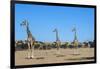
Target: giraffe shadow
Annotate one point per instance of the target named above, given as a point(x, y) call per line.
point(29, 58)
point(60, 55)
point(40, 58)
point(81, 58)
point(75, 54)
point(35, 58)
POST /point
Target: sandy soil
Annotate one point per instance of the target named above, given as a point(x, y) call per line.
point(51, 56)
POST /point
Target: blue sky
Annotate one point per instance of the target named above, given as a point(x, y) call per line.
point(44, 19)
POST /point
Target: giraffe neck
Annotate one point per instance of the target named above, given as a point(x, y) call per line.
point(57, 37)
point(75, 37)
point(29, 34)
point(28, 31)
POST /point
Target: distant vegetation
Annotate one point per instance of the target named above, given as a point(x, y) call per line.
point(22, 45)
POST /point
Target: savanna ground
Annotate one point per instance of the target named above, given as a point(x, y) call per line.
point(51, 56)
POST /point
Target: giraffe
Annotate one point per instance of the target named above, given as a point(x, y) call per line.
point(30, 40)
point(58, 43)
point(75, 42)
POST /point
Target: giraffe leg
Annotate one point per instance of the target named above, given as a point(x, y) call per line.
point(58, 46)
point(28, 52)
point(32, 50)
point(57, 50)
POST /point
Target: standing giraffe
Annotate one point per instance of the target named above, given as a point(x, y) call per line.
point(75, 42)
point(30, 39)
point(58, 43)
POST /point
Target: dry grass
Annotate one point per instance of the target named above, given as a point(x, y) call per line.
point(52, 56)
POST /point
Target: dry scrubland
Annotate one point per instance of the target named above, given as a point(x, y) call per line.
point(50, 56)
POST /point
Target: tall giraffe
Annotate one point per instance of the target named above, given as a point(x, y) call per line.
point(58, 43)
point(75, 41)
point(30, 39)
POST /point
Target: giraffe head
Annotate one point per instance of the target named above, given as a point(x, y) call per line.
point(24, 23)
point(55, 30)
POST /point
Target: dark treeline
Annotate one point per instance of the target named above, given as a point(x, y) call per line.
point(22, 45)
